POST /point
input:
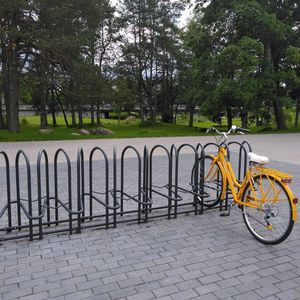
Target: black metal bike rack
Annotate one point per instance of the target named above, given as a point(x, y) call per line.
point(96, 197)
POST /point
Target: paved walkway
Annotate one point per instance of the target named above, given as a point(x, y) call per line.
point(192, 257)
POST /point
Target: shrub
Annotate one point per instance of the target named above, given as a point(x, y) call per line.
point(24, 122)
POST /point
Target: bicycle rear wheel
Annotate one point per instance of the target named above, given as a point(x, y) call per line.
point(270, 223)
point(213, 182)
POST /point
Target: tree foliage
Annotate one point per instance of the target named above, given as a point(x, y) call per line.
point(234, 57)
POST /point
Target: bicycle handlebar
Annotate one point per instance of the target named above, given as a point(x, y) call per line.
point(233, 129)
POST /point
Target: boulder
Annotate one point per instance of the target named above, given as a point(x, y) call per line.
point(130, 119)
point(84, 132)
point(46, 131)
point(101, 131)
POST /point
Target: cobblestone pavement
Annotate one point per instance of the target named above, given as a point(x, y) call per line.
point(191, 257)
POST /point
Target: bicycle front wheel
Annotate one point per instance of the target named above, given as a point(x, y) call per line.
point(271, 221)
point(213, 182)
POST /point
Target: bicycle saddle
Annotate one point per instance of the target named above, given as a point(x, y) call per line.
point(258, 159)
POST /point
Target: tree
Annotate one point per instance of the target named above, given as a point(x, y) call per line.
point(195, 71)
point(15, 24)
point(273, 23)
point(237, 67)
point(150, 53)
point(292, 78)
point(123, 96)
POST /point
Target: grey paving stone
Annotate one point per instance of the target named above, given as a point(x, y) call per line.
point(209, 296)
point(88, 284)
point(165, 291)
point(187, 294)
point(149, 286)
point(74, 280)
point(46, 287)
point(187, 284)
point(267, 291)
point(176, 271)
point(249, 268)
point(67, 289)
point(36, 296)
point(114, 278)
point(248, 286)
point(249, 277)
point(212, 270)
point(230, 273)
point(287, 285)
point(153, 277)
point(130, 282)
point(226, 293)
point(247, 296)
point(79, 295)
point(17, 293)
point(122, 292)
point(206, 288)
point(288, 295)
point(269, 280)
point(210, 278)
point(144, 296)
point(286, 275)
point(284, 267)
point(103, 289)
point(228, 282)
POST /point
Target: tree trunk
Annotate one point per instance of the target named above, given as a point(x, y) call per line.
point(54, 123)
point(80, 116)
point(119, 113)
point(244, 118)
point(229, 116)
point(43, 112)
point(62, 108)
point(257, 121)
point(73, 115)
point(2, 123)
point(297, 113)
point(72, 100)
point(12, 82)
point(141, 100)
point(279, 116)
point(175, 115)
point(278, 111)
point(98, 113)
point(191, 119)
point(92, 114)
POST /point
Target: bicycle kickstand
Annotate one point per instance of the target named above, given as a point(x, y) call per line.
point(227, 214)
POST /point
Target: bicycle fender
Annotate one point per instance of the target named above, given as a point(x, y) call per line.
point(294, 206)
point(224, 183)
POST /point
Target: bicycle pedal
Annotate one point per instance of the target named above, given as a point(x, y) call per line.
point(225, 214)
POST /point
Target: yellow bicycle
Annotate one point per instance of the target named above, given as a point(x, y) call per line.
point(264, 197)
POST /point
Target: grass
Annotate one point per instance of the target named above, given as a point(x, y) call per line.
point(30, 129)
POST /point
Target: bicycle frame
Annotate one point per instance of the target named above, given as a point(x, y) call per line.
point(237, 189)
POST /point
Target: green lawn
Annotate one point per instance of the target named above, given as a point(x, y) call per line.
point(30, 128)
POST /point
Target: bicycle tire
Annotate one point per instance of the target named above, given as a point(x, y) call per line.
point(257, 220)
point(213, 186)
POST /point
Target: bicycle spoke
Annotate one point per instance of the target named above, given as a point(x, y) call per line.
point(271, 221)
